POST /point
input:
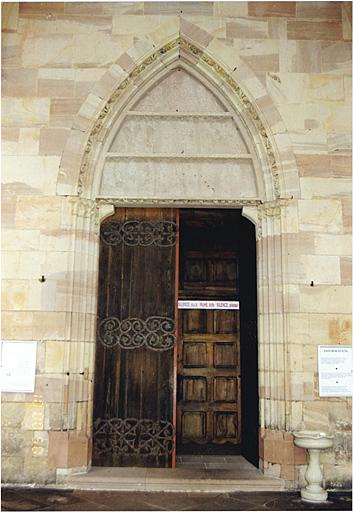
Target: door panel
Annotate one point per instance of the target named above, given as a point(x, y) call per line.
point(133, 402)
point(225, 389)
point(208, 360)
point(209, 391)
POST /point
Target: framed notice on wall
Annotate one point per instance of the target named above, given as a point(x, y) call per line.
point(18, 366)
point(335, 370)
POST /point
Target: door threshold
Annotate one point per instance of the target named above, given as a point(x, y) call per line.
point(240, 476)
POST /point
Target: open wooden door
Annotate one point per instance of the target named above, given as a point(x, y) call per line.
point(133, 395)
point(209, 373)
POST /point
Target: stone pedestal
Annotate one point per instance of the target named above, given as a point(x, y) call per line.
point(314, 442)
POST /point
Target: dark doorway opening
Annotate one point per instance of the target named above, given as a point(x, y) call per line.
point(217, 396)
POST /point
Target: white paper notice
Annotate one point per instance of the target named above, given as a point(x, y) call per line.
point(208, 304)
point(18, 366)
point(335, 370)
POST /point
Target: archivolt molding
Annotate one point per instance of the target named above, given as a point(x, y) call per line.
point(216, 69)
point(251, 110)
point(107, 109)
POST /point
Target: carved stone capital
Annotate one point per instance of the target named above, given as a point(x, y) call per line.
point(270, 210)
point(273, 208)
point(86, 208)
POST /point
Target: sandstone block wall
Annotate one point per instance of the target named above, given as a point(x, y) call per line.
point(53, 56)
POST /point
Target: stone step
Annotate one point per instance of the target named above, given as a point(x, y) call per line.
point(173, 480)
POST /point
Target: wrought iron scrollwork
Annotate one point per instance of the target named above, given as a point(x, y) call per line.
point(139, 233)
point(156, 332)
point(120, 436)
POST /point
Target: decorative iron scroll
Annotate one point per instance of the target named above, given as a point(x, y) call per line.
point(143, 233)
point(131, 436)
point(156, 332)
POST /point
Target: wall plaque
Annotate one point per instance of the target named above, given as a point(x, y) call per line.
point(208, 304)
point(335, 370)
point(18, 366)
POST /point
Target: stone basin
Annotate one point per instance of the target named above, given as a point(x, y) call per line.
point(313, 439)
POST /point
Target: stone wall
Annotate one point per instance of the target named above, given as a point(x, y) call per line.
point(61, 62)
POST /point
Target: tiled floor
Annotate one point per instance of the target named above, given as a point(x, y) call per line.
point(21, 499)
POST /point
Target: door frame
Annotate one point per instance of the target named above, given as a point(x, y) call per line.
point(269, 218)
point(108, 213)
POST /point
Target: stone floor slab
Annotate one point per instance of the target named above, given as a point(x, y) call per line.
point(21, 499)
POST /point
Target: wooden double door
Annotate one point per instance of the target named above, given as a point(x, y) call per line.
point(167, 380)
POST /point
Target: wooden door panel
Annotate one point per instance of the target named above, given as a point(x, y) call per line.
point(225, 322)
point(195, 355)
point(225, 426)
point(195, 271)
point(223, 272)
point(194, 389)
point(225, 355)
point(195, 321)
point(225, 389)
point(133, 409)
point(194, 426)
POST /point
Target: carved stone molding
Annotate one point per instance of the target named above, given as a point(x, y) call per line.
point(131, 436)
point(156, 333)
point(273, 208)
point(182, 203)
point(270, 210)
point(88, 208)
point(154, 59)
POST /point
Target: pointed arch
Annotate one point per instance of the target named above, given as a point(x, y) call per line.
point(235, 83)
point(79, 167)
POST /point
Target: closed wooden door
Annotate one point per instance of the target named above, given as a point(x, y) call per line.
point(209, 349)
point(133, 395)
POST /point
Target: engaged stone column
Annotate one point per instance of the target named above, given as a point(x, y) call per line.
point(278, 455)
point(69, 446)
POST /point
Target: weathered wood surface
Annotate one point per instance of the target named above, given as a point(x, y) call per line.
point(135, 338)
point(209, 346)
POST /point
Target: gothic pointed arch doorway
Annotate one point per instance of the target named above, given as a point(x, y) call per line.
point(264, 202)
